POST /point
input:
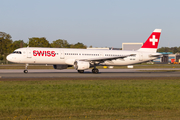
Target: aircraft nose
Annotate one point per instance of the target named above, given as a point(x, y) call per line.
point(9, 57)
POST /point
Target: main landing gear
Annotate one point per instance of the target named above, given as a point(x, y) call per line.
point(95, 70)
point(26, 71)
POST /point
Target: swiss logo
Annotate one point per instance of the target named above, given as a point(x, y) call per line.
point(44, 53)
point(153, 40)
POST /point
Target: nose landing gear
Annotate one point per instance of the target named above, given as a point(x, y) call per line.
point(26, 71)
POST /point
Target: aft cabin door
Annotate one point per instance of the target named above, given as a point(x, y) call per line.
point(140, 57)
point(29, 53)
point(61, 54)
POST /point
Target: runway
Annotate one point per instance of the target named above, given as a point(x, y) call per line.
point(104, 73)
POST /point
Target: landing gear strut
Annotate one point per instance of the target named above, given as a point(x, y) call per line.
point(95, 70)
point(26, 71)
point(80, 71)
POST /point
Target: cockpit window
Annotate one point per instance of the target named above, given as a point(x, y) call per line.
point(17, 52)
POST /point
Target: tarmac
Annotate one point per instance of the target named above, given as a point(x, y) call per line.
point(104, 73)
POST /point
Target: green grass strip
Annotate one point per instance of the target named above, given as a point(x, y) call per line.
point(90, 99)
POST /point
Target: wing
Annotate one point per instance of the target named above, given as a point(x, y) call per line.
point(102, 59)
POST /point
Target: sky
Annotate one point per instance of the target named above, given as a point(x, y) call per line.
point(100, 23)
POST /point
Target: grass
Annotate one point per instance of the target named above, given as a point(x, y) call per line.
point(90, 99)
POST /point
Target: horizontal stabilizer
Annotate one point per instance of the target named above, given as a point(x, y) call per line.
point(156, 55)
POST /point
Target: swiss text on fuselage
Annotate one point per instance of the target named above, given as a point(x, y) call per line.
point(44, 53)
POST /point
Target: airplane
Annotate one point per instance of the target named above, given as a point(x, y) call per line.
point(83, 59)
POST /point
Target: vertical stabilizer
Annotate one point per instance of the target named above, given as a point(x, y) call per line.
point(152, 42)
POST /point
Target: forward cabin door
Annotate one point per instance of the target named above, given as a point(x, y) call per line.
point(29, 53)
point(61, 54)
point(140, 56)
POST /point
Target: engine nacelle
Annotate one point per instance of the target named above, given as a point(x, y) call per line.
point(81, 65)
point(60, 67)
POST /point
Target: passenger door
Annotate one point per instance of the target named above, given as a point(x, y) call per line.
point(140, 56)
point(61, 54)
point(101, 54)
point(29, 53)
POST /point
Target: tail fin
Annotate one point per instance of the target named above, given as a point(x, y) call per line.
point(152, 42)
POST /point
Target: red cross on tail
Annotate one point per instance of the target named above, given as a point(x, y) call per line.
point(151, 43)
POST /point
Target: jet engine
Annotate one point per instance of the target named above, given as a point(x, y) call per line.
point(60, 67)
point(81, 65)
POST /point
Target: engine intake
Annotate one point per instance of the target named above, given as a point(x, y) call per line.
point(81, 65)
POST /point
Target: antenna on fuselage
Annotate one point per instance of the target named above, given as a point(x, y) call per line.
point(28, 44)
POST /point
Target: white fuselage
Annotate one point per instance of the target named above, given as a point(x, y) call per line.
point(65, 56)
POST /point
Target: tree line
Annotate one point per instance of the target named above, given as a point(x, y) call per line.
point(174, 50)
point(7, 45)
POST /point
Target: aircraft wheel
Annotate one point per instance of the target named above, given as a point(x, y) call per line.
point(25, 71)
point(95, 71)
point(80, 71)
